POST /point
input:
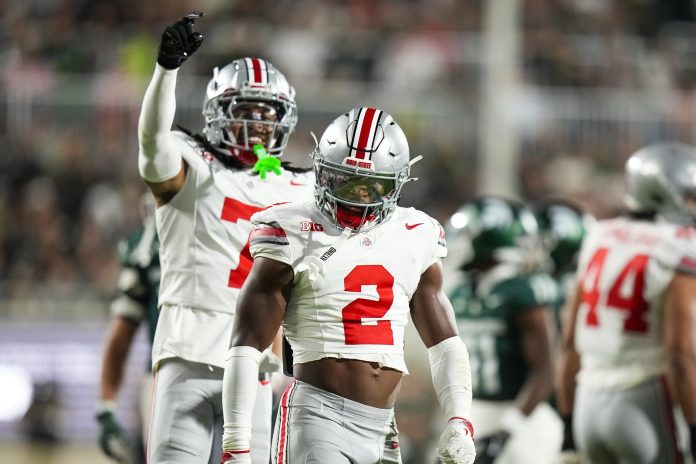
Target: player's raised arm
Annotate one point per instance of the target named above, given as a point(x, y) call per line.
point(433, 317)
point(159, 159)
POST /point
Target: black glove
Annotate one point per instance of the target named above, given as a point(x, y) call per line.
point(692, 437)
point(490, 447)
point(568, 440)
point(113, 440)
point(179, 41)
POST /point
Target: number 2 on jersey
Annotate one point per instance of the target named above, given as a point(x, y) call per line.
point(631, 277)
point(357, 332)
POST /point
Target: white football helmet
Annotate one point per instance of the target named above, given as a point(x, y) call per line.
point(361, 163)
point(661, 179)
point(249, 102)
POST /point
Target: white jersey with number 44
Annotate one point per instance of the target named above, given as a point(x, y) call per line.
point(625, 267)
point(351, 292)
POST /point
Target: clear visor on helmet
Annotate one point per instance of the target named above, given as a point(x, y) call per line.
point(356, 188)
point(252, 111)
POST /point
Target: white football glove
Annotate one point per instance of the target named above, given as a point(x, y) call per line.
point(456, 445)
point(570, 457)
point(269, 362)
point(228, 457)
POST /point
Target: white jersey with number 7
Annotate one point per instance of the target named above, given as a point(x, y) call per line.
point(204, 253)
point(625, 267)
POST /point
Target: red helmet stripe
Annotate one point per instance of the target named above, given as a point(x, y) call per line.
point(367, 123)
point(257, 71)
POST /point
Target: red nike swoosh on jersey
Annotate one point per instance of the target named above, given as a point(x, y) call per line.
point(292, 182)
point(413, 226)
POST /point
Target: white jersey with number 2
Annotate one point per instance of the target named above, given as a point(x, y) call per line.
point(625, 267)
point(351, 292)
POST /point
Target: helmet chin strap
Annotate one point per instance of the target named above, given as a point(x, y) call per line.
point(246, 157)
point(352, 219)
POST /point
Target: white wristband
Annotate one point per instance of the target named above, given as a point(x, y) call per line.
point(451, 375)
point(105, 406)
point(239, 387)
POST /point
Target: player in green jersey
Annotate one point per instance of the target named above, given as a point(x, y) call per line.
point(563, 224)
point(503, 309)
point(134, 303)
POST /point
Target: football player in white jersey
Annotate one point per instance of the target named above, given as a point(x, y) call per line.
point(631, 320)
point(342, 274)
point(206, 189)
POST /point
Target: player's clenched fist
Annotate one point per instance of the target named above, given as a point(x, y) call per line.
point(179, 41)
point(456, 445)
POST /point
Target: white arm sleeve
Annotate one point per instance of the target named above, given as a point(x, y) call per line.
point(449, 367)
point(158, 157)
point(239, 386)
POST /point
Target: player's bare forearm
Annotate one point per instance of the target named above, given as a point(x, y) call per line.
point(431, 311)
point(261, 304)
point(569, 364)
point(683, 374)
point(565, 384)
point(536, 350)
point(117, 347)
point(680, 342)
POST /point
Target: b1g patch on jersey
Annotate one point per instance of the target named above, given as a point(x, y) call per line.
point(306, 226)
point(269, 232)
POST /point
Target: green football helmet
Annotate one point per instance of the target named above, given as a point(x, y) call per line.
point(490, 230)
point(562, 226)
